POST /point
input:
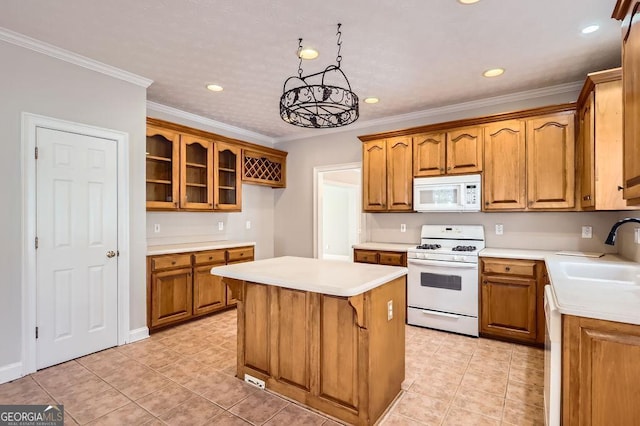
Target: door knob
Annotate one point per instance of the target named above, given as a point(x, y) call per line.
point(111, 254)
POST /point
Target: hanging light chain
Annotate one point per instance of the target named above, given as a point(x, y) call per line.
point(339, 43)
point(300, 56)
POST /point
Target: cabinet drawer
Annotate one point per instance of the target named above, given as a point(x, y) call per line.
point(365, 256)
point(216, 256)
point(240, 253)
point(526, 268)
point(173, 261)
point(392, 258)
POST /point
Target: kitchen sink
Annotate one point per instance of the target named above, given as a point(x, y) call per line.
point(611, 272)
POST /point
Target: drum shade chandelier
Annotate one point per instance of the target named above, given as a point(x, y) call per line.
point(309, 101)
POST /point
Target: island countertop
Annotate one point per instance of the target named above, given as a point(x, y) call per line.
point(332, 277)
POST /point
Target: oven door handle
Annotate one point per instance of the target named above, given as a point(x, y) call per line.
point(440, 314)
point(443, 263)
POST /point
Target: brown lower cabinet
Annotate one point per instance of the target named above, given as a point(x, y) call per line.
point(181, 287)
point(512, 299)
point(600, 372)
point(391, 258)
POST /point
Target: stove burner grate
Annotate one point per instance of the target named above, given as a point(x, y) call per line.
point(464, 248)
point(429, 246)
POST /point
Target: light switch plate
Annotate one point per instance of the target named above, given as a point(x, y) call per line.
point(220, 226)
point(156, 227)
point(389, 310)
point(499, 229)
point(403, 227)
point(587, 232)
point(248, 224)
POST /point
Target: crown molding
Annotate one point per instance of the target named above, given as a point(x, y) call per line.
point(154, 106)
point(464, 106)
point(73, 58)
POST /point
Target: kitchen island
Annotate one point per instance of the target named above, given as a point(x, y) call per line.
point(329, 334)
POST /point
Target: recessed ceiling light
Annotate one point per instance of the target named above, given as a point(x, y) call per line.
point(493, 72)
point(308, 53)
point(590, 29)
point(214, 88)
point(468, 1)
point(371, 100)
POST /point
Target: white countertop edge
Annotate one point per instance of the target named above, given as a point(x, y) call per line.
point(331, 291)
point(201, 246)
point(370, 245)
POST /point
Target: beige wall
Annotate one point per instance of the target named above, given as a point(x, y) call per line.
point(293, 206)
point(36, 83)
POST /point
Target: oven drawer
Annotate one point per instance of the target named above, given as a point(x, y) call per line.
point(525, 268)
point(442, 321)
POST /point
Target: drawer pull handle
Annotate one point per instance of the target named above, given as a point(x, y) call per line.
point(508, 268)
point(173, 262)
point(210, 257)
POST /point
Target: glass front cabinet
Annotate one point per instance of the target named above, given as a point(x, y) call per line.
point(227, 182)
point(196, 173)
point(163, 147)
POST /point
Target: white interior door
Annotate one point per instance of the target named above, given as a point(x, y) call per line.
point(76, 259)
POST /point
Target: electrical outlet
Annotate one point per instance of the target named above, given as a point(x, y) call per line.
point(156, 228)
point(389, 310)
point(248, 224)
point(254, 381)
point(220, 226)
point(403, 227)
point(636, 235)
point(587, 232)
point(499, 229)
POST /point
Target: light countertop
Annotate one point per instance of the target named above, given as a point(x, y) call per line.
point(332, 277)
point(516, 253)
point(188, 247)
point(384, 246)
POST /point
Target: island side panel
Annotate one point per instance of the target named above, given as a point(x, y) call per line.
point(386, 344)
point(256, 327)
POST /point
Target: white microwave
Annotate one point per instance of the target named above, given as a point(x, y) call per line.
point(460, 193)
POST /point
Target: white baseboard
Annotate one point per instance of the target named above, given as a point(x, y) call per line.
point(138, 334)
point(10, 372)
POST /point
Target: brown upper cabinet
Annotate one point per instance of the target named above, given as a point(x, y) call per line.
point(627, 11)
point(163, 148)
point(189, 169)
point(227, 185)
point(387, 175)
point(600, 142)
point(505, 166)
point(196, 173)
point(551, 161)
point(452, 152)
point(529, 163)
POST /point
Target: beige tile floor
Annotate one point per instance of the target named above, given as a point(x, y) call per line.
point(185, 376)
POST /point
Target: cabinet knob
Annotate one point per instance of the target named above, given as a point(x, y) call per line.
point(448, 168)
point(620, 188)
point(586, 197)
point(210, 257)
point(486, 203)
point(485, 282)
point(507, 268)
point(442, 169)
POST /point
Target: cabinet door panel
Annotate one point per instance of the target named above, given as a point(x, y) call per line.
point(374, 179)
point(509, 307)
point(550, 162)
point(338, 351)
point(208, 291)
point(227, 191)
point(171, 296)
point(600, 383)
point(464, 150)
point(196, 173)
point(399, 174)
point(429, 154)
point(505, 166)
point(631, 102)
point(163, 169)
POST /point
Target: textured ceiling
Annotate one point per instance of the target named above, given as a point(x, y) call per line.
point(412, 54)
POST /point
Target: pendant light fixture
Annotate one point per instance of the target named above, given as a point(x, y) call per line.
point(311, 101)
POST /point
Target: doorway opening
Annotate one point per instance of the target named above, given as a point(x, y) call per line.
point(338, 218)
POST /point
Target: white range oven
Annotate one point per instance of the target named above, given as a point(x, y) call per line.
point(442, 283)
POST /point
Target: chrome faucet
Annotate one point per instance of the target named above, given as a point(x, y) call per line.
point(611, 239)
